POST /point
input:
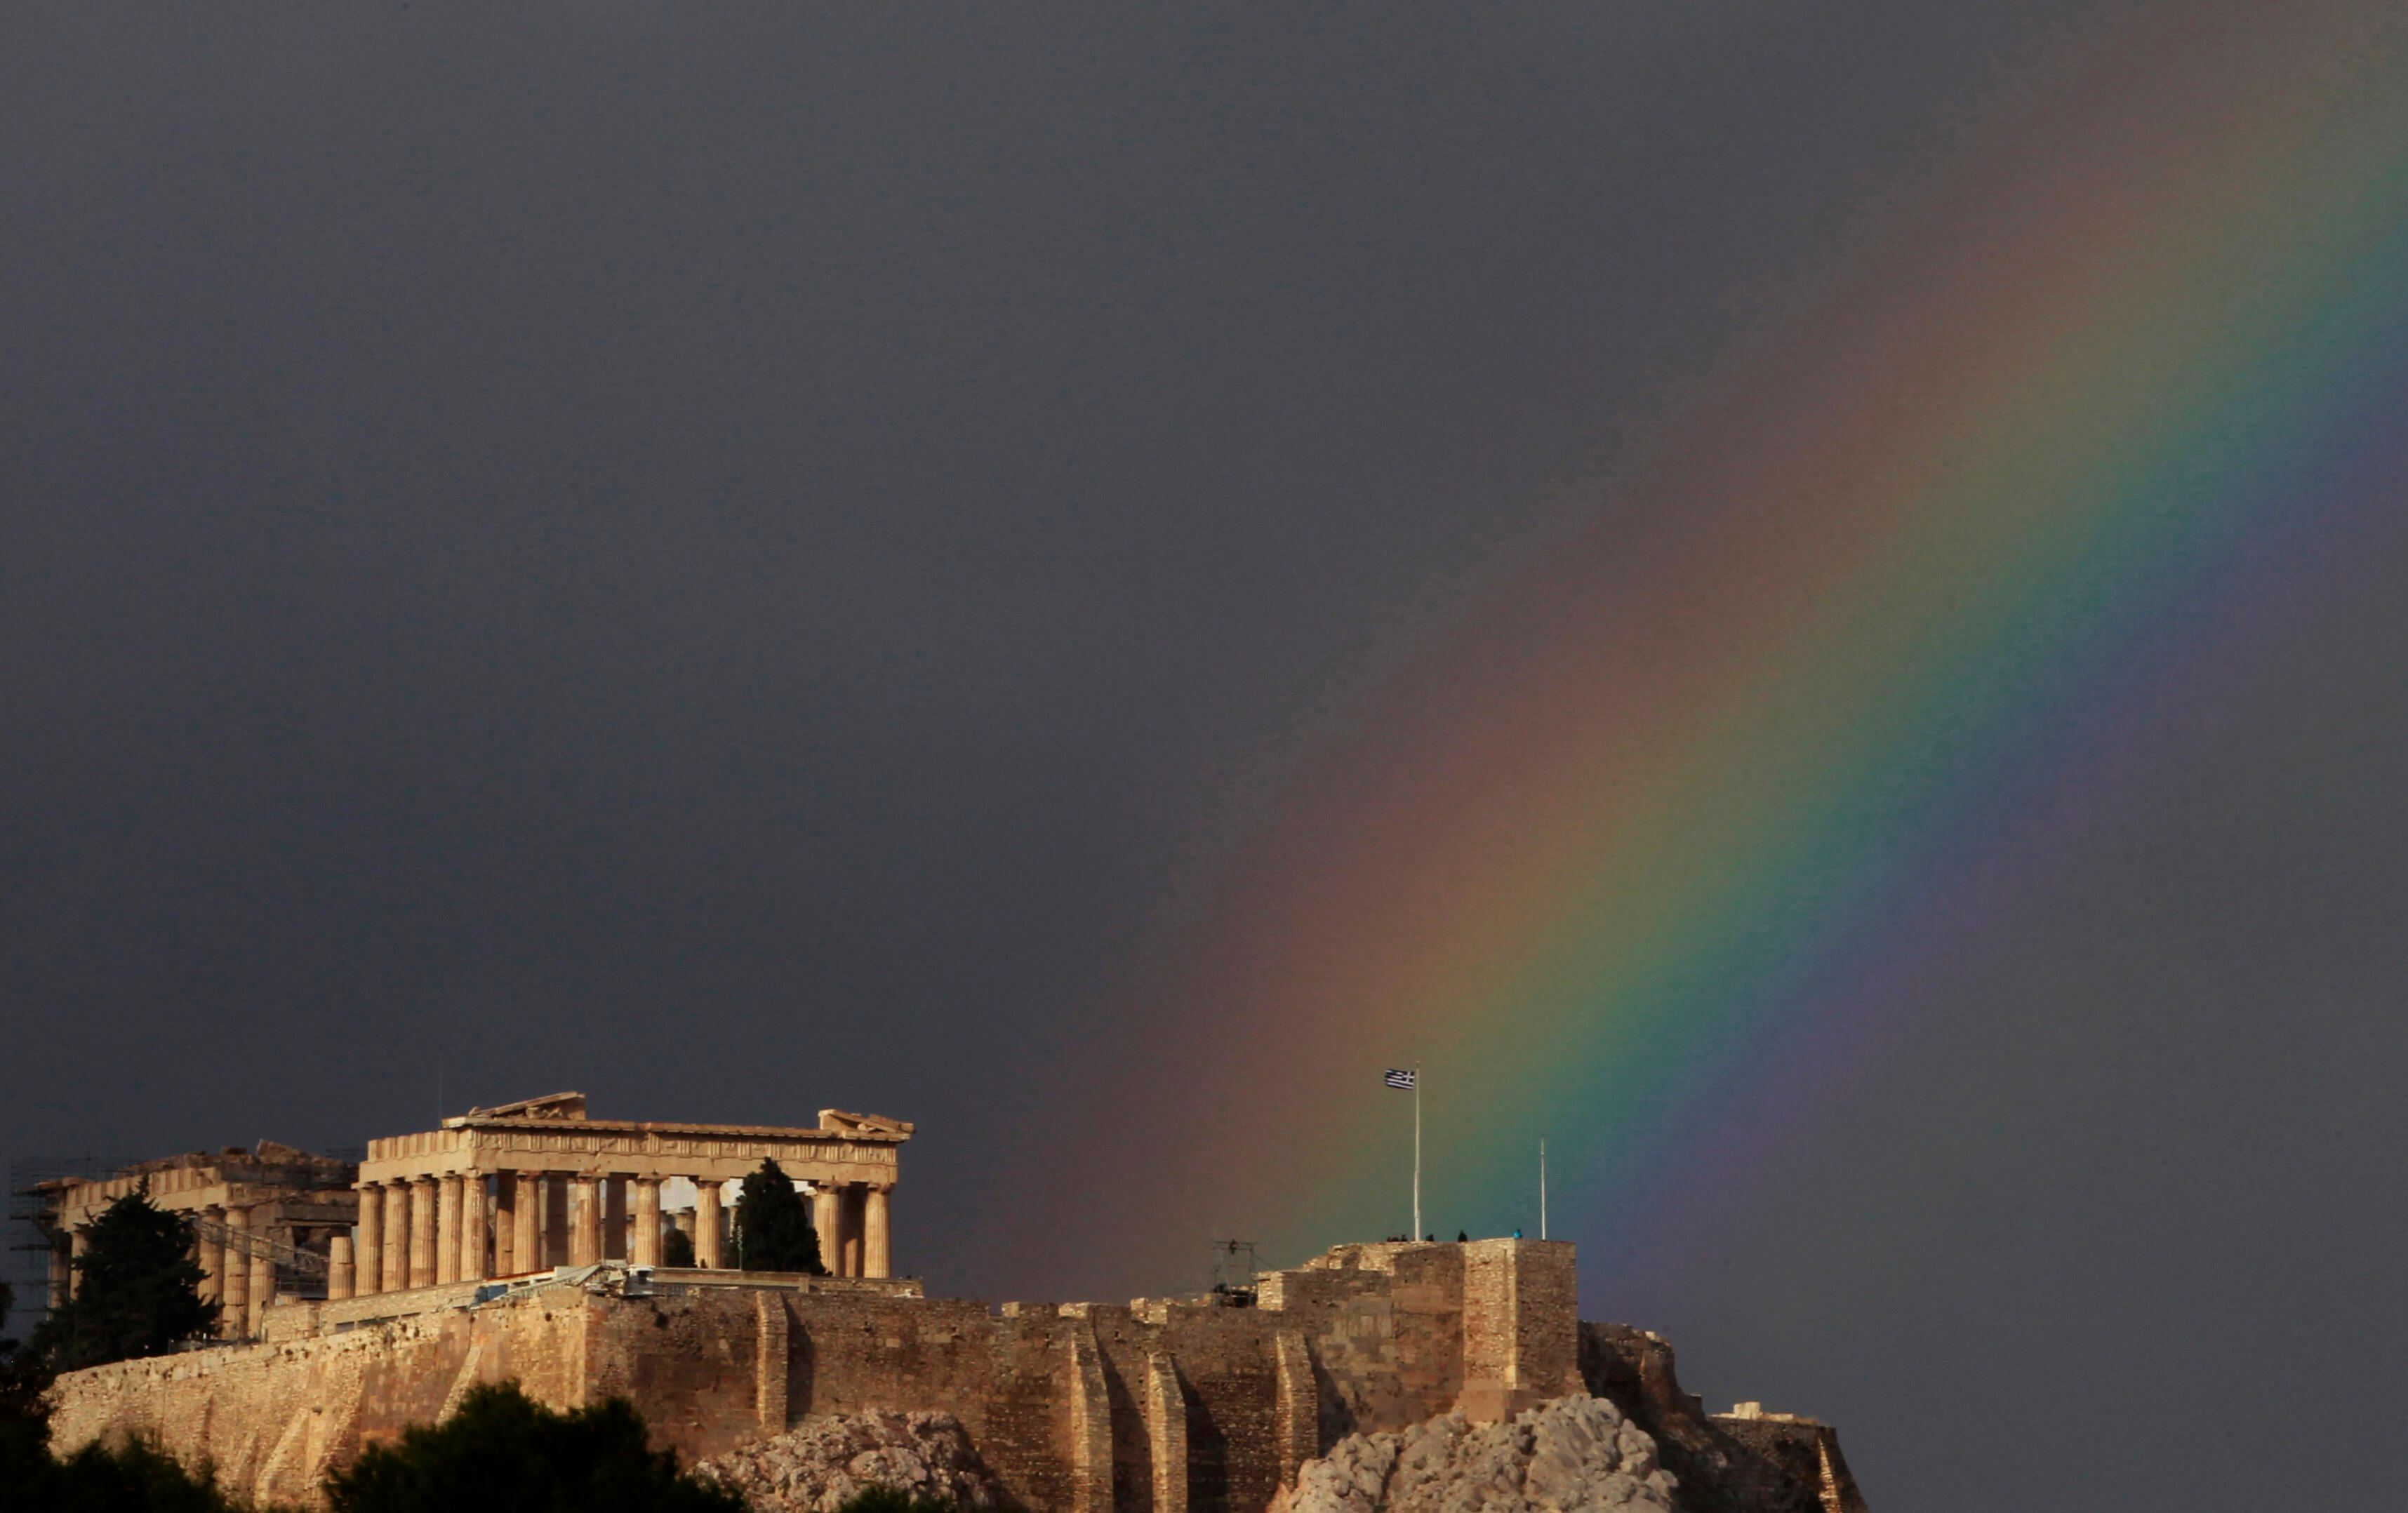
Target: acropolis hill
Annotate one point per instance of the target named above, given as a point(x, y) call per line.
point(524, 1242)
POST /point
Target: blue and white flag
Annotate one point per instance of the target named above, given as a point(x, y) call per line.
point(1401, 1080)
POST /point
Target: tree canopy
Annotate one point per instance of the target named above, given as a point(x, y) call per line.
point(501, 1449)
point(773, 1225)
point(677, 1248)
point(138, 1289)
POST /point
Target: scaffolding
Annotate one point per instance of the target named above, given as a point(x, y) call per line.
point(30, 1244)
point(1235, 1268)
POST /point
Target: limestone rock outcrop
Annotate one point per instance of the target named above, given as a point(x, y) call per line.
point(1576, 1454)
point(827, 1460)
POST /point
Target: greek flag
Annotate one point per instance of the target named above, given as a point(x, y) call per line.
point(1401, 1079)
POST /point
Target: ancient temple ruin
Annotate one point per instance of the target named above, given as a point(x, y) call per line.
point(527, 1186)
point(495, 1192)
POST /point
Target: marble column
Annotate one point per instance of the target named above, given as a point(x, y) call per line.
point(421, 1232)
point(393, 1270)
point(371, 1239)
point(584, 1220)
point(209, 1246)
point(262, 1293)
point(644, 1243)
point(234, 1299)
point(448, 1191)
point(526, 1222)
point(505, 1224)
point(851, 1210)
point(78, 1241)
point(707, 1225)
point(877, 1247)
point(473, 1267)
point(59, 1272)
point(341, 1276)
point(827, 1222)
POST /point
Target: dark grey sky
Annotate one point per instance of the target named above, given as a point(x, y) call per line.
point(723, 557)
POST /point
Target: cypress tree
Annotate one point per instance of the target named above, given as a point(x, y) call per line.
point(138, 1289)
point(677, 1250)
point(773, 1227)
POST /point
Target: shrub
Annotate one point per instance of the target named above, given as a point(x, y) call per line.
point(129, 1477)
point(502, 1450)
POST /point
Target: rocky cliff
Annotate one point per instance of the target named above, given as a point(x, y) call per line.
point(825, 1461)
point(1576, 1454)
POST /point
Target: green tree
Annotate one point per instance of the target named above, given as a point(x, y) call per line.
point(503, 1449)
point(773, 1228)
point(677, 1248)
point(138, 1289)
point(24, 1418)
point(127, 1478)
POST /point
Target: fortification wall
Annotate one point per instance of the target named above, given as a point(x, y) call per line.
point(1083, 1407)
point(272, 1418)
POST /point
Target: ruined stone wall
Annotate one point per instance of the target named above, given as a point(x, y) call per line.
point(1521, 1301)
point(1724, 1465)
point(1383, 1327)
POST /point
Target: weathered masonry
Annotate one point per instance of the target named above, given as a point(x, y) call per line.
point(528, 1186)
point(265, 1221)
point(496, 1193)
point(1172, 1406)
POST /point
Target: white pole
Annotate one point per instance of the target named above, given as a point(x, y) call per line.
point(1417, 1151)
point(1542, 1187)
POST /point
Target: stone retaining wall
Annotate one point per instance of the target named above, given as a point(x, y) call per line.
point(1171, 1406)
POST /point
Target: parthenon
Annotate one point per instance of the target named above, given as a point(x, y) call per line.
point(495, 1192)
point(517, 1189)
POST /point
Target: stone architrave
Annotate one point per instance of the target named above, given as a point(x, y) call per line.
point(395, 1274)
point(448, 1191)
point(473, 1266)
point(584, 1220)
point(421, 1232)
point(341, 1273)
point(878, 1251)
point(644, 1240)
point(234, 1303)
point(708, 1226)
point(526, 1222)
point(370, 1249)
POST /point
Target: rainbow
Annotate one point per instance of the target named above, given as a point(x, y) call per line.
point(1618, 847)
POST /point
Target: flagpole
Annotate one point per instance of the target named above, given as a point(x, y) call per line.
point(1417, 1151)
point(1542, 1187)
